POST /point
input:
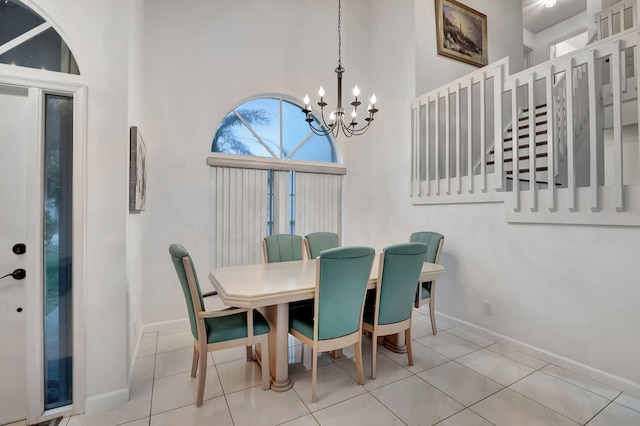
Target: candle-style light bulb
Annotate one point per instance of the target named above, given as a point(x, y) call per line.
point(306, 99)
point(321, 91)
point(353, 113)
point(356, 91)
point(369, 107)
point(332, 116)
point(373, 99)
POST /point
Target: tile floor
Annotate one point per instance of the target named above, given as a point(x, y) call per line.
point(458, 378)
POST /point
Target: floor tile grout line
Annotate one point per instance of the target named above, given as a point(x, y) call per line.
point(579, 386)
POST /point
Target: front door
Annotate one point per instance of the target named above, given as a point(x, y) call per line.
point(13, 255)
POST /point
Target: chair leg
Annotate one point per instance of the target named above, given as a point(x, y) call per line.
point(202, 377)
point(359, 360)
point(432, 311)
point(314, 374)
point(374, 355)
point(407, 341)
point(194, 362)
point(264, 355)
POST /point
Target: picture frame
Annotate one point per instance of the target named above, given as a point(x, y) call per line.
point(461, 32)
point(137, 171)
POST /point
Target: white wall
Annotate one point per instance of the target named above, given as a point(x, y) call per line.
point(202, 60)
point(504, 33)
point(567, 290)
point(97, 34)
point(565, 29)
point(563, 289)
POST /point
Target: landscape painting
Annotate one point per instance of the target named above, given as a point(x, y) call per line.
point(461, 32)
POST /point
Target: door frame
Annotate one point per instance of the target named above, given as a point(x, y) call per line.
point(40, 83)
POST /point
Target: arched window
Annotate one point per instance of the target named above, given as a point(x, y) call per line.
point(28, 40)
point(271, 127)
point(270, 174)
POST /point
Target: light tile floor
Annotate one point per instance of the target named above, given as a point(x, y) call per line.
point(458, 379)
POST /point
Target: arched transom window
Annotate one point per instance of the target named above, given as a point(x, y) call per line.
point(271, 127)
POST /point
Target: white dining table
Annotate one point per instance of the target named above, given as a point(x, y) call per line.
point(269, 287)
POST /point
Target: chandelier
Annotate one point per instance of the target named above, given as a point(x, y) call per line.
point(337, 122)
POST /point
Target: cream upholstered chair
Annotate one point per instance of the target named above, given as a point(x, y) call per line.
point(282, 248)
point(214, 330)
point(426, 292)
point(389, 312)
point(315, 242)
point(334, 320)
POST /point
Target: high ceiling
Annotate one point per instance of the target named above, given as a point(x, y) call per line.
point(536, 17)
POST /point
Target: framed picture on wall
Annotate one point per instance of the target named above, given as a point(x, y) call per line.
point(137, 171)
point(461, 32)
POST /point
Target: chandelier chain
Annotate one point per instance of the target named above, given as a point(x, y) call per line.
point(339, 35)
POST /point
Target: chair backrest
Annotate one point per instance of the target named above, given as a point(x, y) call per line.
point(192, 294)
point(318, 241)
point(282, 248)
point(401, 265)
point(434, 242)
point(341, 282)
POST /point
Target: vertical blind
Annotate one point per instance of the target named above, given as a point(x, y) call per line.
point(318, 203)
point(239, 209)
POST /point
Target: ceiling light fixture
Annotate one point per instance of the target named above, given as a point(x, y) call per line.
point(549, 3)
point(336, 122)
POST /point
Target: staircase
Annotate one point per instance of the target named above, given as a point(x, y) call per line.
point(574, 156)
point(524, 136)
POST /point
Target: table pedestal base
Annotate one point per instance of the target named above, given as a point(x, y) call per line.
point(395, 343)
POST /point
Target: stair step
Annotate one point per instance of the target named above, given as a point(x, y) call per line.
point(510, 148)
point(524, 136)
point(522, 171)
point(522, 157)
point(526, 126)
point(525, 117)
point(537, 107)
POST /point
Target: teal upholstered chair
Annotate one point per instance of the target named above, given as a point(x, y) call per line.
point(390, 310)
point(282, 248)
point(426, 290)
point(315, 242)
point(335, 319)
point(214, 330)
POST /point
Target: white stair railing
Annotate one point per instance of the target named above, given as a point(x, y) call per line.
point(455, 126)
point(452, 128)
point(616, 18)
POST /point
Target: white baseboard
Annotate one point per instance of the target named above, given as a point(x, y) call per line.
point(612, 380)
point(173, 326)
point(106, 400)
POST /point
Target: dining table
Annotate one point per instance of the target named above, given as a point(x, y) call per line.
point(270, 287)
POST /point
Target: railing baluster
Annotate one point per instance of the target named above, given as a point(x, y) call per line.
point(594, 131)
point(571, 173)
point(470, 133)
point(498, 145)
point(447, 141)
point(458, 152)
point(617, 127)
point(427, 146)
point(436, 142)
point(533, 175)
point(514, 144)
point(552, 143)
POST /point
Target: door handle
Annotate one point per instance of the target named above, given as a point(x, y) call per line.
point(18, 274)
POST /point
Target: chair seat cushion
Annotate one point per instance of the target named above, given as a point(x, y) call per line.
point(231, 327)
point(301, 319)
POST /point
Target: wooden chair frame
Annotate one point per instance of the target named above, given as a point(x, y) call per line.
point(432, 294)
point(330, 344)
point(379, 330)
point(201, 348)
point(307, 249)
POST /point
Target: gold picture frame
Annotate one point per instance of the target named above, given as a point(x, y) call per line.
point(461, 32)
point(137, 171)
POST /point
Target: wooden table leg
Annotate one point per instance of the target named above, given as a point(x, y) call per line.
point(396, 343)
point(278, 318)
